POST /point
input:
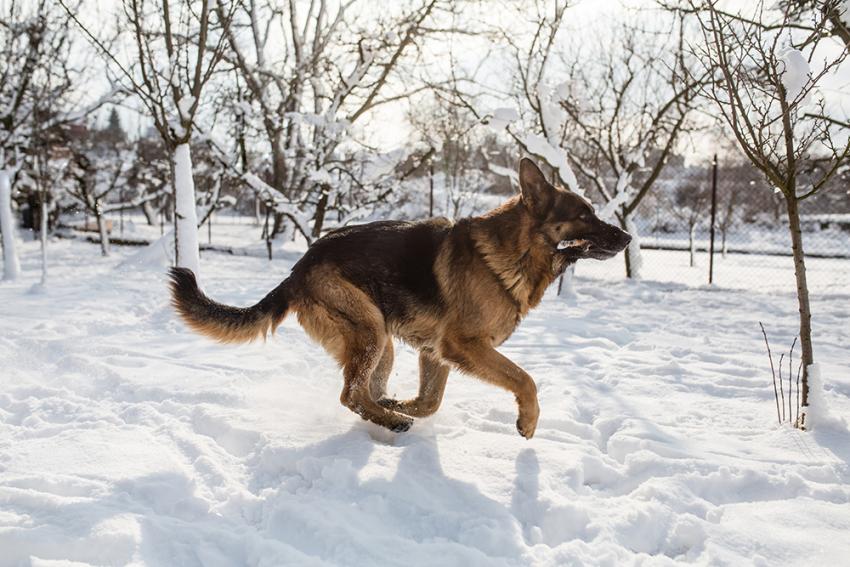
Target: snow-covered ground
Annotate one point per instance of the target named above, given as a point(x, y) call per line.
point(126, 439)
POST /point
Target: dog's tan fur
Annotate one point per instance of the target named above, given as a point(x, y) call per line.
point(489, 271)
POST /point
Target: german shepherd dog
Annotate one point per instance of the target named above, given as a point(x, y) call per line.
point(455, 291)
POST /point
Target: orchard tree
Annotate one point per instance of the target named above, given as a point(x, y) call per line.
point(176, 47)
point(612, 112)
point(766, 73)
point(313, 72)
point(43, 73)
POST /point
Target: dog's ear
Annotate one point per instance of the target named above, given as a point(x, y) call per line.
point(536, 191)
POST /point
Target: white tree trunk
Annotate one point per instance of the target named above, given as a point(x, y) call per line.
point(633, 250)
point(186, 223)
point(11, 265)
point(101, 229)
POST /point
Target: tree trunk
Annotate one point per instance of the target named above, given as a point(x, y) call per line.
point(101, 229)
point(277, 226)
point(802, 299)
point(149, 212)
point(11, 265)
point(691, 245)
point(43, 234)
point(319, 218)
point(279, 163)
point(566, 289)
point(632, 255)
point(431, 189)
point(723, 243)
point(186, 222)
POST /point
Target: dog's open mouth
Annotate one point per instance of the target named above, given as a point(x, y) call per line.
point(585, 248)
point(574, 244)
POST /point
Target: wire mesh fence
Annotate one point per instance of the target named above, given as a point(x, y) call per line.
point(752, 243)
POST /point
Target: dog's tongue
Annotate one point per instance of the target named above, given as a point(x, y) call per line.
point(575, 243)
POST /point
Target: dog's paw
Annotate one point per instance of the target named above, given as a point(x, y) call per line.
point(527, 429)
point(389, 403)
point(401, 426)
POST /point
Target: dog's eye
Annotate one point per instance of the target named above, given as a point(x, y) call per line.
point(582, 216)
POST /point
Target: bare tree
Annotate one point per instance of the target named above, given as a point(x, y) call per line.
point(761, 90)
point(614, 117)
point(311, 72)
point(41, 91)
point(690, 200)
point(176, 48)
point(458, 136)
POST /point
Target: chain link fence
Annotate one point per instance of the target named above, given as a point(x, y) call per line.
point(752, 244)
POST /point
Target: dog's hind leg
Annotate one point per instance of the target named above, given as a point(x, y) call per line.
point(381, 374)
point(363, 356)
point(433, 375)
point(352, 329)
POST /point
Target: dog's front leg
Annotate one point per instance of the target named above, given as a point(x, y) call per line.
point(480, 359)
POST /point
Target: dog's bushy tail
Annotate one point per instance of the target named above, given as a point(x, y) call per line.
point(224, 323)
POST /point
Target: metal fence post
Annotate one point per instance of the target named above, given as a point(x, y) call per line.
point(713, 216)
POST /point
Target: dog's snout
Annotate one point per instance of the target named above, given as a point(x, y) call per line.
point(627, 238)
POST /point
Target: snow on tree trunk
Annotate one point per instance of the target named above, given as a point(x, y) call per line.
point(692, 244)
point(101, 229)
point(11, 266)
point(186, 223)
point(634, 261)
point(566, 290)
point(816, 414)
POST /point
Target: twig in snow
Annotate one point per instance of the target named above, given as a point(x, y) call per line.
point(781, 388)
point(790, 373)
point(772, 372)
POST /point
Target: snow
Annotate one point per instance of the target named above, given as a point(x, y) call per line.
point(509, 172)
point(555, 157)
point(187, 214)
point(125, 439)
point(321, 177)
point(818, 414)
point(795, 75)
point(11, 265)
point(502, 117)
point(184, 106)
point(844, 6)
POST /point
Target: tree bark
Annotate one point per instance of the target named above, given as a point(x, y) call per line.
point(149, 212)
point(566, 289)
point(691, 246)
point(802, 294)
point(43, 235)
point(319, 218)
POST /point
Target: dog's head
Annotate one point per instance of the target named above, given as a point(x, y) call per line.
point(566, 221)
